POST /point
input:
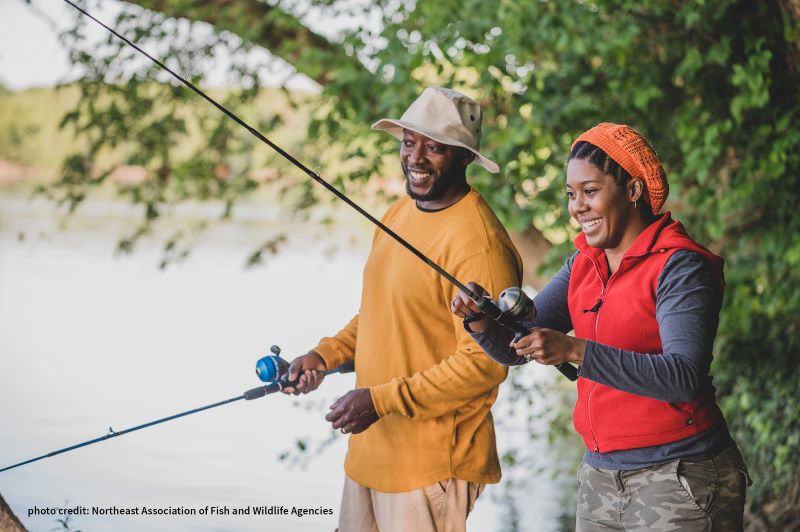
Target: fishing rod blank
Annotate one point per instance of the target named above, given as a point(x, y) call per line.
point(484, 303)
point(277, 384)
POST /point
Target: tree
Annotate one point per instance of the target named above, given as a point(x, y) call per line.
point(714, 85)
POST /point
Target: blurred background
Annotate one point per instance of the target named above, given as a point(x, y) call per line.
point(151, 250)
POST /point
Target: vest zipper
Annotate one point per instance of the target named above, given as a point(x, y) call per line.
point(596, 317)
point(606, 285)
point(589, 416)
point(589, 399)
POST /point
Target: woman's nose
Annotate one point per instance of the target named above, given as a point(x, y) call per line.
point(578, 203)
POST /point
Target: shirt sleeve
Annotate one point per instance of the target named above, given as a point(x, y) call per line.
point(336, 350)
point(466, 374)
point(688, 301)
point(552, 312)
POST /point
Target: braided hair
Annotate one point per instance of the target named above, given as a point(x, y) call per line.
point(586, 151)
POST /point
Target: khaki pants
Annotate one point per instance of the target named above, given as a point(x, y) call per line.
point(704, 496)
point(440, 507)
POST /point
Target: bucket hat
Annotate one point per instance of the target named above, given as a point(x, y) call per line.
point(446, 116)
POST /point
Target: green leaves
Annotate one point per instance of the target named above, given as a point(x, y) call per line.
point(706, 82)
point(714, 85)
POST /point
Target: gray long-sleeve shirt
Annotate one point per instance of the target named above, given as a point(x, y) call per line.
point(688, 301)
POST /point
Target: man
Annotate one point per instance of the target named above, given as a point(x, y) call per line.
point(423, 442)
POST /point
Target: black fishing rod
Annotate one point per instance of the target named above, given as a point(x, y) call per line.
point(486, 304)
point(272, 369)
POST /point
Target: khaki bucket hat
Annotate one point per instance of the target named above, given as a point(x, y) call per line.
point(446, 116)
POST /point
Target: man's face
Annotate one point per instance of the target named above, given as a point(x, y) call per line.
point(432, 169)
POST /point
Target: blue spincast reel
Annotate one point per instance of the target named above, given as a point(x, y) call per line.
point(272, 367)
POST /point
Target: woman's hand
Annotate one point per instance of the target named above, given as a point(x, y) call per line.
point(462, 306)
point(550, 347)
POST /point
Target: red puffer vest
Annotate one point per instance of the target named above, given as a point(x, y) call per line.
point(620, 311)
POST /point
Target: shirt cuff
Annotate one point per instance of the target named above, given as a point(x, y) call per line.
point(332, 357)
point(385, 397)
point(585, 369)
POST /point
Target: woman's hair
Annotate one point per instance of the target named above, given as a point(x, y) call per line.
point(586, 151)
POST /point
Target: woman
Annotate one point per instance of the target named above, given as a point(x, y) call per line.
point(643, 300)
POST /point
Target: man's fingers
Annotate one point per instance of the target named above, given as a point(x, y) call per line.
point(338, 421)
point(294, 370)
point(336, 403)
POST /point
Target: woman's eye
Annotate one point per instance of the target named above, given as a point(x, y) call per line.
point(570, 194)
point(590, 191)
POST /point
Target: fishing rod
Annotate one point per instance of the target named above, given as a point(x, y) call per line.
point(486, 304)
point(271, 368)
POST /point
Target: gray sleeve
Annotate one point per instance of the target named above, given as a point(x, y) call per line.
point(552, 312)
point(688, 301)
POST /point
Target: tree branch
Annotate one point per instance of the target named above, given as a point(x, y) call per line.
point(268, 26)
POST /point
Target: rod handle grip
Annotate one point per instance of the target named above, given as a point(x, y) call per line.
point(566, 369)
point(261, 391)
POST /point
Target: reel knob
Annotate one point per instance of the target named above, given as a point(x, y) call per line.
point(515, 304)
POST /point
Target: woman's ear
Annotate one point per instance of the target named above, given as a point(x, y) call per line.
point(635, 190)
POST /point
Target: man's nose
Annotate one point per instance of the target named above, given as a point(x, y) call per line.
point(417, 154)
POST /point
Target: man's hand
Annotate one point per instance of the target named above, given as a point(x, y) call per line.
point(550, 347)
point(308, 368)
point(462, 305)
point(354, 412)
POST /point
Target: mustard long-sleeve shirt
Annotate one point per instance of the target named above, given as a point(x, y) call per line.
point(432, 385)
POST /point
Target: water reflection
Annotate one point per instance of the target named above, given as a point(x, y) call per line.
point(90, 340)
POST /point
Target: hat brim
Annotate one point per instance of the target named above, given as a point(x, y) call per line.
point(396, 127)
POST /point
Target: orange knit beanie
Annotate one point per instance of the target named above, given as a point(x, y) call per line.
point(632, 152)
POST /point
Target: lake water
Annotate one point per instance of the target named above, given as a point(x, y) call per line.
point(91, 341)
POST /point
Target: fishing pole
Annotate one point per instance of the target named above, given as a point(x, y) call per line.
point(486, 304)
point(271, 369)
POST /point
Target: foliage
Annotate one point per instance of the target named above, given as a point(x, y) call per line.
point(130, 113)
point(713, 84)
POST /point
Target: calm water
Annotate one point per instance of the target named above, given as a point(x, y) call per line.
point(90, 341)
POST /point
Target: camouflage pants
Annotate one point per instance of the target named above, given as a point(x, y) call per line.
point(703, 496)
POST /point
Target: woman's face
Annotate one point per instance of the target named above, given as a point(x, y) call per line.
point(600, 206)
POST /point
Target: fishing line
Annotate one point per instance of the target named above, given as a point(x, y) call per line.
point(270, 369)
point(484, 303)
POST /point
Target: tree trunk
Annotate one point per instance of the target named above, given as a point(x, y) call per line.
point(532, 247)
point(9, 521)
point(268, 26)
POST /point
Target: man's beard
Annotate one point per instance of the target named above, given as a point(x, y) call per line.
point(441, 185)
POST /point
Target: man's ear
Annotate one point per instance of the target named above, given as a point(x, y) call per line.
point(468, 157)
